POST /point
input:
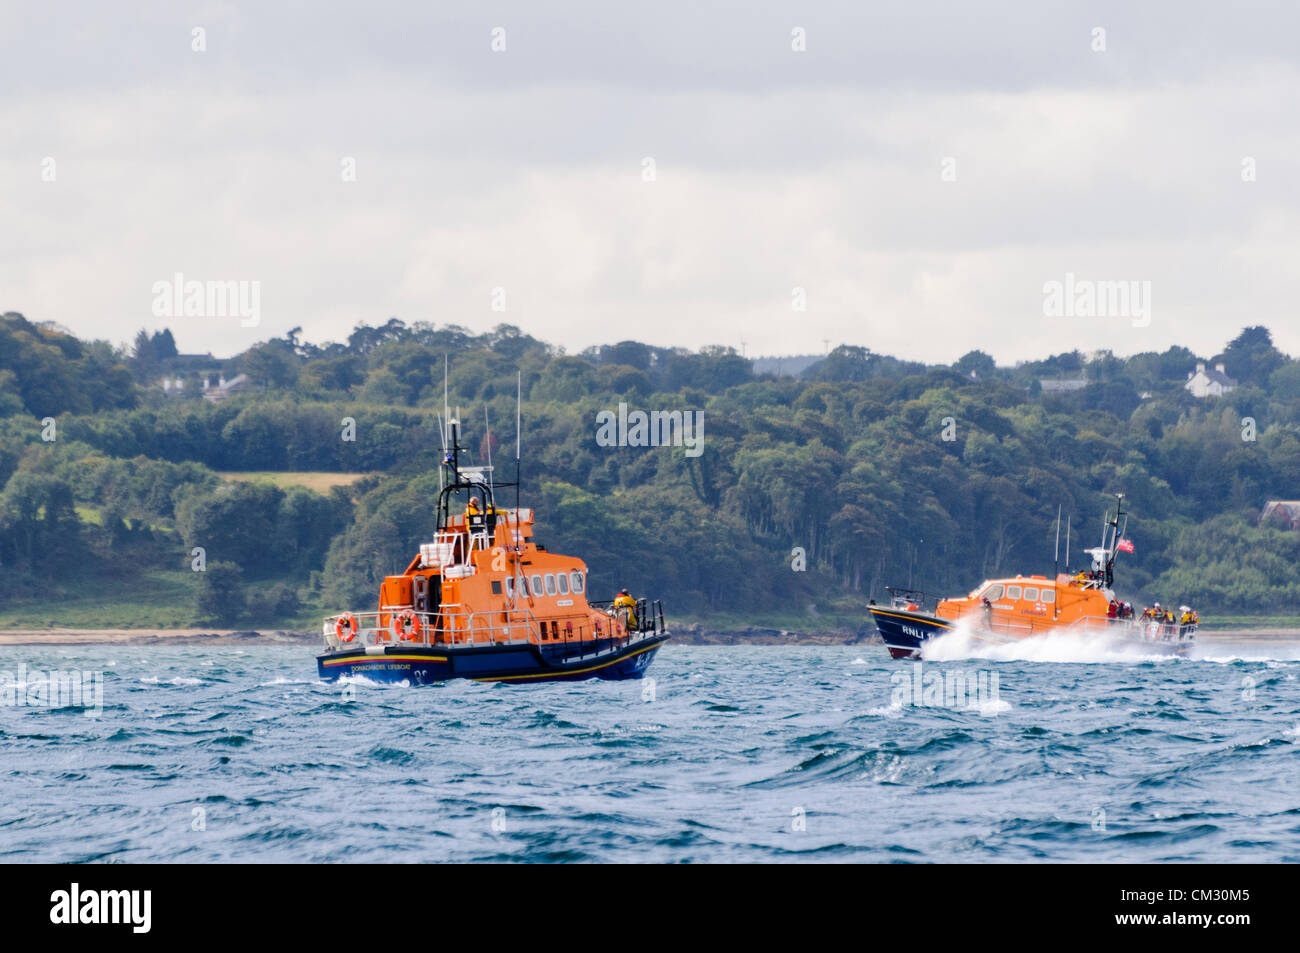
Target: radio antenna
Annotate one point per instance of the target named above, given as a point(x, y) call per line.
point(487, 439)
point(519, 417)
point(442, 432)
point(1056, 557)
point(1056, 553)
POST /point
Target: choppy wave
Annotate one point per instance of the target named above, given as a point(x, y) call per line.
point(738, 754)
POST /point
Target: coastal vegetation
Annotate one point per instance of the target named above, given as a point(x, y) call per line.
point(807, 496)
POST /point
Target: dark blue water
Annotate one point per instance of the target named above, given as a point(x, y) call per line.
point(758, 754)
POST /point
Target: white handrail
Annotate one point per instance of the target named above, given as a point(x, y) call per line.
point(519, 627)
point(1135, 626)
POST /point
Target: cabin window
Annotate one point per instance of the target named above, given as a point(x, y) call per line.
point(535, 584)
point(550, 584)
point(1013, 592)
point(1031, 593)
point(510, 586)
point(496, 587)
point(994, 592)
point(562, 580)
point(577, 580)
point(1049, 595)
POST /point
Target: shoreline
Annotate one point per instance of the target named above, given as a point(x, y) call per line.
point(692, 634)
point(685, 636)
point(60, 636)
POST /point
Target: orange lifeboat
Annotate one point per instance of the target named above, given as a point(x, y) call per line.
point(484, 600)
point(1005, 610)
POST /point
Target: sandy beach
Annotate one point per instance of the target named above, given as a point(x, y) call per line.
point(56, 636)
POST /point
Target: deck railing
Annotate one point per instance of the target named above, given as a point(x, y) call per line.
point(649, 615)
point(383, 628)
point(1136, 627)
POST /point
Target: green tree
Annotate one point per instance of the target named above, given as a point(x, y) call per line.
point(220, 596)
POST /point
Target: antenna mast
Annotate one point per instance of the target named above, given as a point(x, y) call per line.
point(442, 432)
point(519, 416)
point(1056, 553)
point(487, 439)
point(1056, 556)
point(519, 526)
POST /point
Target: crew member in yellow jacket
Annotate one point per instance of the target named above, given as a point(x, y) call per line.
point(625, 601)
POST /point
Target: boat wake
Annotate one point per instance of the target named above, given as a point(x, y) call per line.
point(1076, 645)
point(1097, 645)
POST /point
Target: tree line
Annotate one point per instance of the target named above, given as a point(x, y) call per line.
point(812, 492)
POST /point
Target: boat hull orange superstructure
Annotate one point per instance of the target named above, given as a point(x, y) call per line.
point(1019, 607)
point(483, 600)
point(1028, 605)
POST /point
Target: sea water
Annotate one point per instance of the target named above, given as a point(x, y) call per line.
point(838, 753)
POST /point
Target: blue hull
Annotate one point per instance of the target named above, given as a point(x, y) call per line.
point(904, 632)
point(423, 664)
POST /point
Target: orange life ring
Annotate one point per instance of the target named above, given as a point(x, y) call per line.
point(408, 626)
point(346, 627)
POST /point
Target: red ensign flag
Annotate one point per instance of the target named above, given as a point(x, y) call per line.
point(1125, 545)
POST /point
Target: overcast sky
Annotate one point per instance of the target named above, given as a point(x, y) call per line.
point(774, 169)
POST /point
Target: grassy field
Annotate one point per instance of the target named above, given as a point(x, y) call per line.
point(318, 481)
point(153, 599)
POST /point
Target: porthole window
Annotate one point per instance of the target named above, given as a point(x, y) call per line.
point(1013, 592)
point(550, 584)
point(535, 584)
point(994, 592)
point(510, 586)
point(1031, 593)
point(1049, 595)
point(577, 580)
point(562, 580)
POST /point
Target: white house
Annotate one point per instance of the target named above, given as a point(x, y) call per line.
point(224, 388)
point(1203, 383)
point(1054, 385)
point(1285, 512)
